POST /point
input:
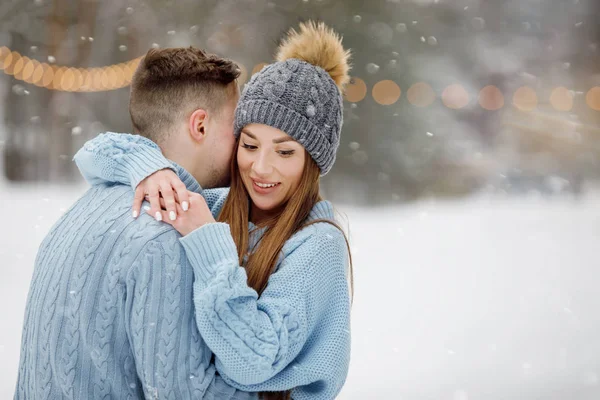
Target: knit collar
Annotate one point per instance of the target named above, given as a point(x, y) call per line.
point(322, 210)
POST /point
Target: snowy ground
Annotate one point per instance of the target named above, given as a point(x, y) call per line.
point(473, 299)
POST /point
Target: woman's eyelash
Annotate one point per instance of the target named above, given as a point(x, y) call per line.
point(282, 152)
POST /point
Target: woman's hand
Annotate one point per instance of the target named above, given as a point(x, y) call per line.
point(163, 183)
point(197, 215)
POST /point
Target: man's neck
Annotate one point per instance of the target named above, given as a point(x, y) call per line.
point(188, 180)
point(184, 161)
point(185, 165)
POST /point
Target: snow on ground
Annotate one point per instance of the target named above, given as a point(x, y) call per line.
point(480, 298)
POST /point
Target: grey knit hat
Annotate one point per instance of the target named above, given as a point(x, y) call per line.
point(300, 94)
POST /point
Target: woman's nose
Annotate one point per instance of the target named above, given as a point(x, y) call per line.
point(262, 165)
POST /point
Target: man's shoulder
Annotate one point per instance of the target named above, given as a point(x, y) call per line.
point(137, 235)
point(157, 250)
point(107, 192)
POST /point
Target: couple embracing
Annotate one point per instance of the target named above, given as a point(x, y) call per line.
point(161, 283)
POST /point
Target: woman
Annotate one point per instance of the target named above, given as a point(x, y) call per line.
point(281, 321)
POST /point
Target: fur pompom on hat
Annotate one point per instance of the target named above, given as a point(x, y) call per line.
point(301, 93)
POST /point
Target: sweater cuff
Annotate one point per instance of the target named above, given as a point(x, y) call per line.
point(208, 247)
point(137, 166)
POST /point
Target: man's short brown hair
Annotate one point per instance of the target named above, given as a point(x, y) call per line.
point(169, 84)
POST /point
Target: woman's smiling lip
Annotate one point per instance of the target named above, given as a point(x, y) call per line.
point(263, 182)
point(264, 190)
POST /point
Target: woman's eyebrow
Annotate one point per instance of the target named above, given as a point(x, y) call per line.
point(283, 139)
point(249, 134)
point(276, 140)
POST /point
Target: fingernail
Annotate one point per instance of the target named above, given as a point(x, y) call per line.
point(134, 214)
point(185, 206)
point(172, 215)
point(158, 216)
point(146, 208)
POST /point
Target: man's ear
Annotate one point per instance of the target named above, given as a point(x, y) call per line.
point(197, 125)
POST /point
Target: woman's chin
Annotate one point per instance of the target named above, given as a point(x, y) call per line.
point(263, 205)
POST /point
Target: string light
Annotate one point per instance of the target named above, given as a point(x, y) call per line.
point(38, 74)
point(356, 90)
point(525, 99)
point(386, 92)
point(47, 77)
point(491, 98)
point(561, 99)
point(68, 79)
point(420, 94)
point(455, 97)
point(57, 82)
point(18, 67)
point(28, 70)
point(592, 98)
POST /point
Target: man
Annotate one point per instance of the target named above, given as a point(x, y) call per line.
point(109, 312)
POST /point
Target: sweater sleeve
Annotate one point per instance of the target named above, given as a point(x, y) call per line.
point(128, 159)
point(120, 158)
point(255, 338)
point(171, 359)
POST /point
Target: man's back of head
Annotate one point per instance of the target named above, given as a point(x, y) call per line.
point(183, 99)
point(171, 83)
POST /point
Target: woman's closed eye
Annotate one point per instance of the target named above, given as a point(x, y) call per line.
point(248, 146)
point(286, 153)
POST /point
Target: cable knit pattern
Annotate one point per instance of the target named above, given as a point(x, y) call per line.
point(170, 323)
point(65, 223)
point(49, 301)
point(274, 342)
point(296, 335)
point(119, 159)
point(130, 377)
point(70, 346)
point(138, 313)
point(104, 326)
point(110, 313)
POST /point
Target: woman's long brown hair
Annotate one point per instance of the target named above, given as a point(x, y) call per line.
point(262, 262)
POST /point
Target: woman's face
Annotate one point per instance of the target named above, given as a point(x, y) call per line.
point(271, 165)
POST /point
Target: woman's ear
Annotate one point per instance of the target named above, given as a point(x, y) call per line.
point(197, 125)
